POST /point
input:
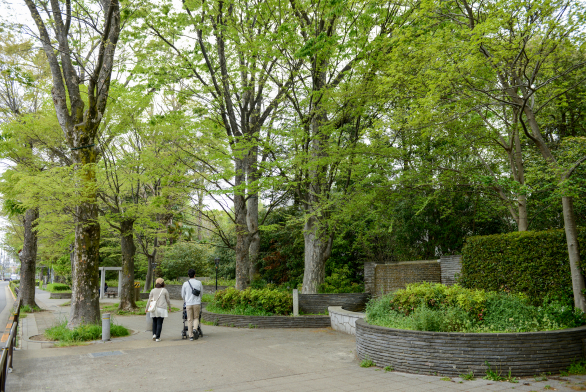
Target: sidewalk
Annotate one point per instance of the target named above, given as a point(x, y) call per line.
point(225, 359)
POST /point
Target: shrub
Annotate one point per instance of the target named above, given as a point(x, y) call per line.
point(268, 300)
point(57, 287)
point(533, 262)
point(340, 282)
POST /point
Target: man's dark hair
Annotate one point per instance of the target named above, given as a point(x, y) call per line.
point(191, 273)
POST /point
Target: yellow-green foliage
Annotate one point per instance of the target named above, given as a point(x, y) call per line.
point(267, 300)
point(435, 295)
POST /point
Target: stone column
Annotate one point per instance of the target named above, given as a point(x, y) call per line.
point(119, 283)
point(295, 302)
point(102, 282)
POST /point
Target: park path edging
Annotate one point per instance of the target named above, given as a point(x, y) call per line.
point(231, 320)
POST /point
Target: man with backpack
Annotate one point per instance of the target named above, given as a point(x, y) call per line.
point(191, 293)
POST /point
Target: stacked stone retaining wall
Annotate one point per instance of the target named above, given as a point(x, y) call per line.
point(395, 276)
point(230, 320)
point(451, 266)
point(318, 303)
point(452, 354)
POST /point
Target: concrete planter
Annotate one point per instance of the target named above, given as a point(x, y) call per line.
point(266, 321)
point(319, 303)
point(452, 354)
point(60, 295)
point(344, 320)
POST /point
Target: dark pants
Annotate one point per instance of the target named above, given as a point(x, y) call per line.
point(157, 326)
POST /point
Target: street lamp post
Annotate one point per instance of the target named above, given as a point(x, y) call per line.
point(217, 260)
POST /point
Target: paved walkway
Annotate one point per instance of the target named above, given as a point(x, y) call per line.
point(225, 359)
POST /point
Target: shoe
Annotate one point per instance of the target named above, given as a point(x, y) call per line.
point(191, 338)
point(195, 335)
point(154, 337)
point(158, 340)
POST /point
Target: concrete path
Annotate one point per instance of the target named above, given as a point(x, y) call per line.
point(226, 359)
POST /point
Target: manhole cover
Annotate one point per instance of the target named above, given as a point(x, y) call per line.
point(106, 354)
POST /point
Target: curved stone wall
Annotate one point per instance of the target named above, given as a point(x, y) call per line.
point(452, 354)
point(318, 303)
point(344, 320)
point(231, 320)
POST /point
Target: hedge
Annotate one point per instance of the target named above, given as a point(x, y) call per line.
point(532, 262)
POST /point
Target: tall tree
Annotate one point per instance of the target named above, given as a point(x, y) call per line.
point(232, 69)
point(23, 76)
point(78, 75)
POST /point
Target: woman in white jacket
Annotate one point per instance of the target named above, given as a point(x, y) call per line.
point(161, 295)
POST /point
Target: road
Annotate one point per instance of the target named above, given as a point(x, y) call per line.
point(6, 302)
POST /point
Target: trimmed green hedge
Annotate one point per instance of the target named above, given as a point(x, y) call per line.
point(268, 301)
point(533, 262)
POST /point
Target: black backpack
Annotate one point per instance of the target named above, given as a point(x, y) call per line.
point(195, 292)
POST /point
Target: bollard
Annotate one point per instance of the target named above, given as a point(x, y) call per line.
point(105, 327)
point(295, 302)
point(149, 321)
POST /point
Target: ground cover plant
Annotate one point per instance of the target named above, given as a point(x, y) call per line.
point(436, 307)
point(82, 333)
point(252, 302)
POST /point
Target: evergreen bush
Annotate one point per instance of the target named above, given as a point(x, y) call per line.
point(535, 263)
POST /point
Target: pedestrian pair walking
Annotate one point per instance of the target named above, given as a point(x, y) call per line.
point(191, 293)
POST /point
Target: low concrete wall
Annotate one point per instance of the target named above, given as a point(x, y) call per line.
point(344, 320)
point(319, 303)
point(452, 354)
point(60, 295)
point(230, 320)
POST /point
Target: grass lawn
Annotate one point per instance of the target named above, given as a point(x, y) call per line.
point(86, 332)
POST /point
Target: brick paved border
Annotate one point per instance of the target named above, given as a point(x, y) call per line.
point(451, 354)
point(230, 320)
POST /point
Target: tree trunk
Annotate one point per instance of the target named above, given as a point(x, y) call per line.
point(318, 247)
point(28, 259)
point(127, 300)
point(252, 211)
point(578, 284)
point(317, 240)
point(199, 213)
point(242, 234)
point(150, 272)
point(522, 204)
point(519, 175)
point(85, 301)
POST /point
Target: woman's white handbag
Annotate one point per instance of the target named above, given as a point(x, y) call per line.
point(153, 303)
